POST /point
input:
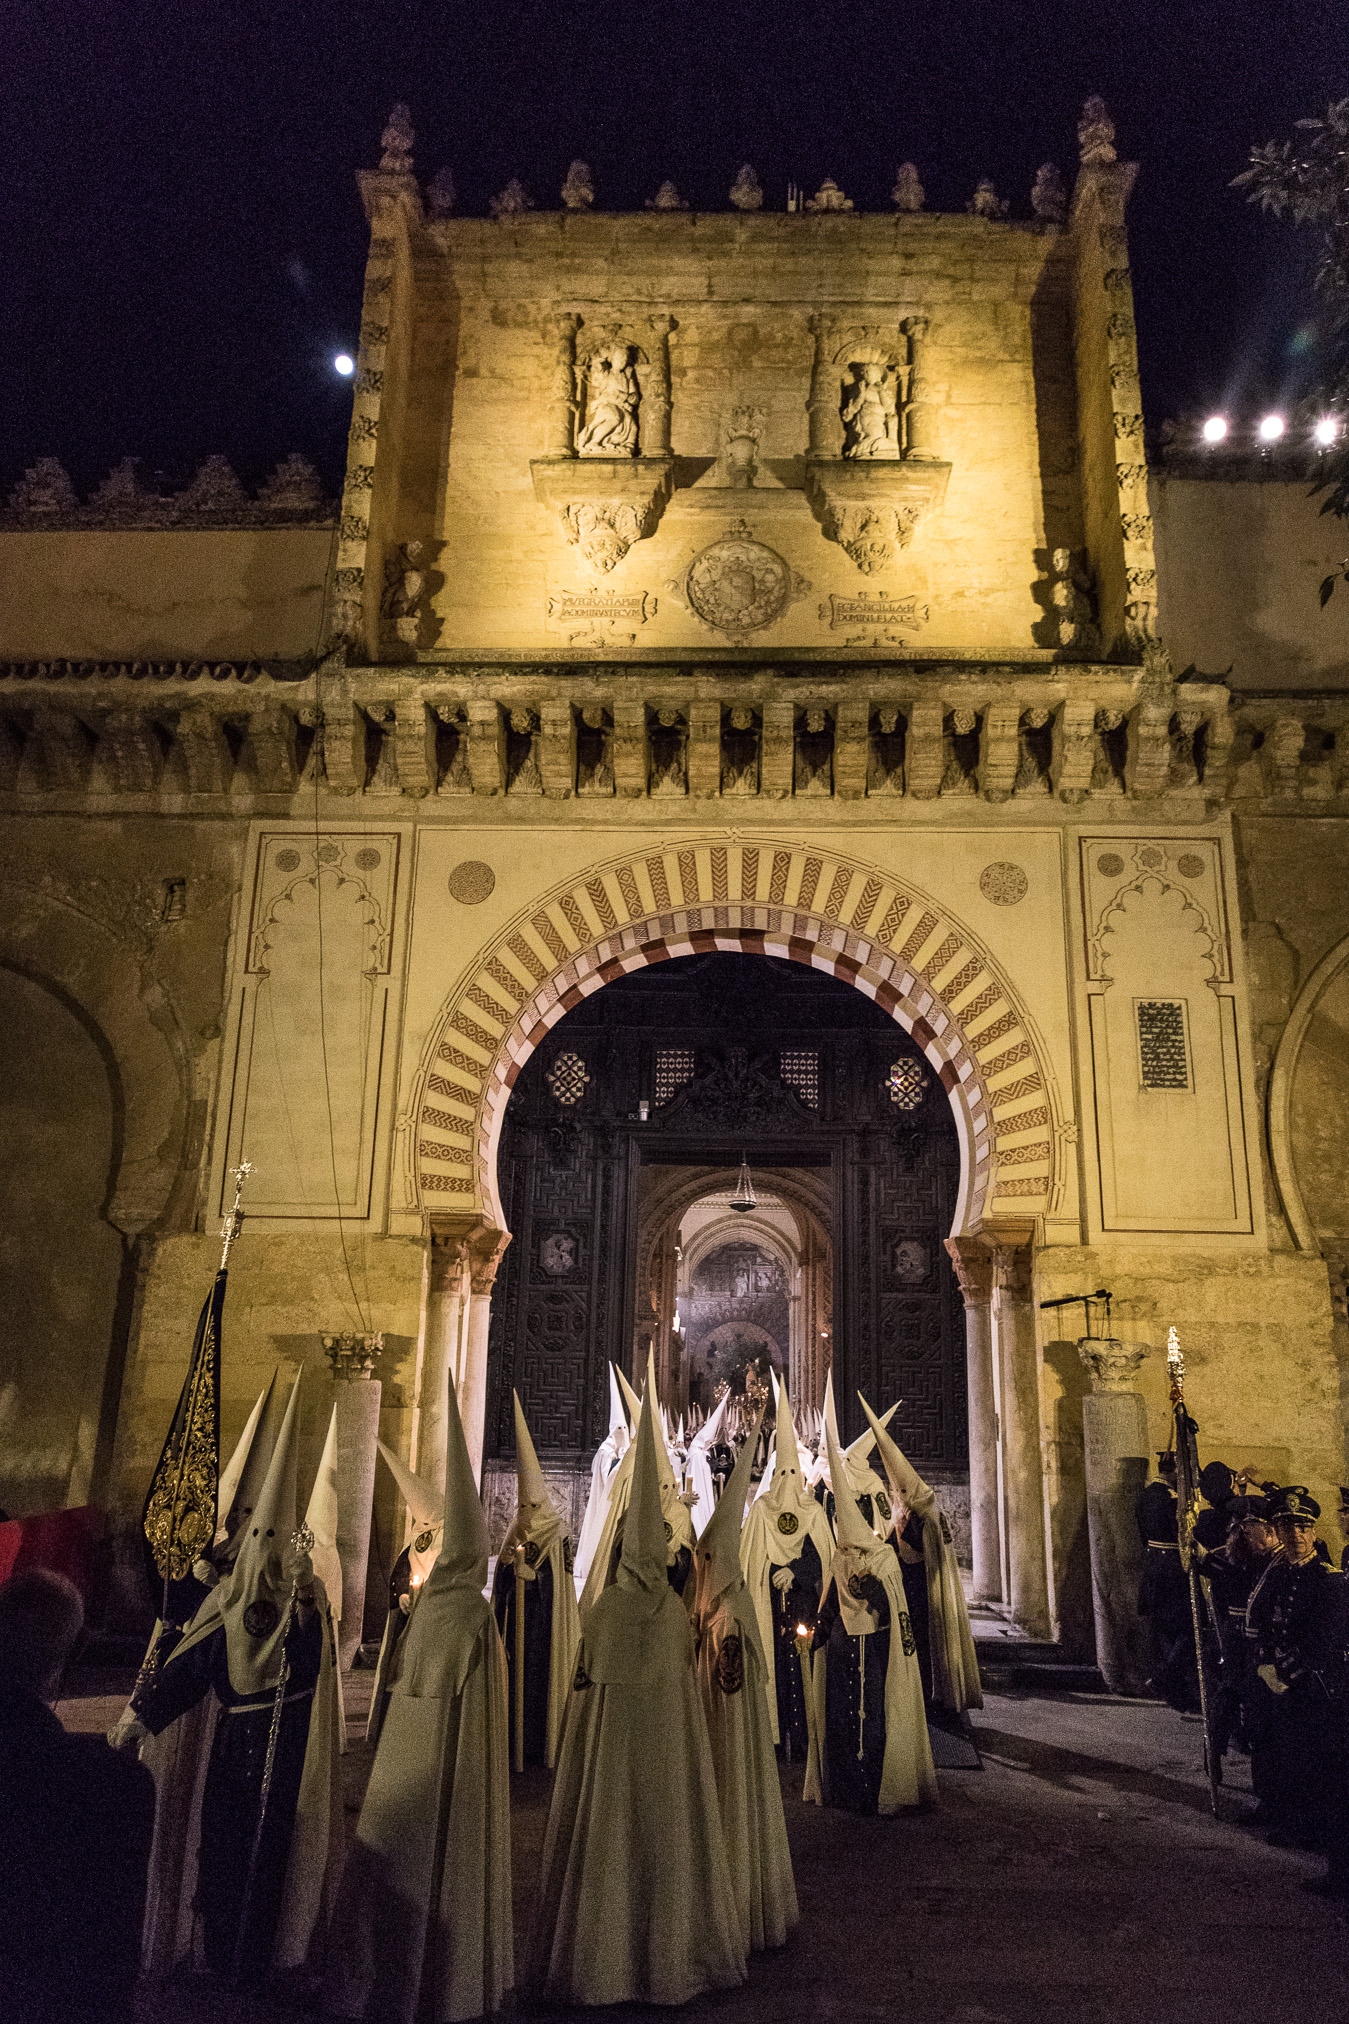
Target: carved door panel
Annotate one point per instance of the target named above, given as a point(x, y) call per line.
point(901, 1332)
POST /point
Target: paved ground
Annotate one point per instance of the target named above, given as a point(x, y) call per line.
point(1079, 1876)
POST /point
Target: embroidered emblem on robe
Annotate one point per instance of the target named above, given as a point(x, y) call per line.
point(261, 1617)
point(730, 1673)
point(788, 1522)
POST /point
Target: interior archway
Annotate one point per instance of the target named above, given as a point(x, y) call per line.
point(636, 1109)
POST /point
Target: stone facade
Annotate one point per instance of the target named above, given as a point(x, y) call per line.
point(784, 583)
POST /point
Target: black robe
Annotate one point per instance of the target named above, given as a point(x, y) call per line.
point(798, 1604)
point(538, 1649)
point(233, 1792)
point(1164, 1599)
point(854, 1700)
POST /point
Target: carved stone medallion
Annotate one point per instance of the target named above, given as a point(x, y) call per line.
point(1004, 883)
point(738, 584)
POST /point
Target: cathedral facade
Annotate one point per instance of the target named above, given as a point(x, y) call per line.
point(783, 586)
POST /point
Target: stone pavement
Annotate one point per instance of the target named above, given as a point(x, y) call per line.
point(1079, 1876)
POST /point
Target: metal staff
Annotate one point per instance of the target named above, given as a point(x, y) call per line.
point(520, 1657)
point(1187, 1498)
point(303, 1541)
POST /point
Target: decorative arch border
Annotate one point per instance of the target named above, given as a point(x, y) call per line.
point(1280, 1097)
point(883, 935)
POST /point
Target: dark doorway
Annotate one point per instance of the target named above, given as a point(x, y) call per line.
point(689, 1064)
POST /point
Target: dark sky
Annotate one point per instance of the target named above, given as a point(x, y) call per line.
point(183, 242)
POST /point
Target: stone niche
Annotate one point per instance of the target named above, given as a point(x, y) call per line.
point(871, 472)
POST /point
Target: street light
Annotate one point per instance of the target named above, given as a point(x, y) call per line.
point(1271, 428)
point(1215, 428)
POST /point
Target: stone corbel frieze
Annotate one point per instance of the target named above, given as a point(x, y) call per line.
point(605, 504)
point(871, 507)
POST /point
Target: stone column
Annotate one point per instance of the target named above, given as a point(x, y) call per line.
point(920, 411)
point(1017, 1355)
point(358, 1403)
point(823, 405)
point(1115, 1425)
point(486, 1251)
point(974, 1272)
point(562, 401)
point(656, 407)
point(440, 1352)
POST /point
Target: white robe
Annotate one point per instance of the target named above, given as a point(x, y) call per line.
point(422, 1931)
point(731, 1679)
point(635, 1901)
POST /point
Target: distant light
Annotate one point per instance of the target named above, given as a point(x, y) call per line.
point(1271, 428)
point(1326, 432)
point(344, 364)
point(1215, 428)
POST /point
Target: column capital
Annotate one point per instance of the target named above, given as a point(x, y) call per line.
point(486, 1250)
point(973, 1264)
point(1113, 1364)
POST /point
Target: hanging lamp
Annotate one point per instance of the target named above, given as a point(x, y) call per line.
point(743, 1199)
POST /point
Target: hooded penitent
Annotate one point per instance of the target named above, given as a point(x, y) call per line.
point(732, 1677)
point(425, 1507)
point(607, 1458)
point(786, 1550)
point(955, 1666)
point(177, 1758)
point(865, 1485)
point(678, 1524)
point(259, 1642)
point(699, 1469)
point(422, 1928)
point(233, 1515)
point(321, 1521)
point(534, 1561)
point(635, 1901)
point(869, 1749)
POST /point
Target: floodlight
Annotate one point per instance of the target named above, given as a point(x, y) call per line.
point(344, 364)
point(1215, 428)
point(1326, 431)
point(1271, 428)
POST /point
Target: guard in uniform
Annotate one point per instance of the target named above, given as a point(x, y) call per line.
point(1296, 1620)
point(1163, 1592)
point(1232, 1571)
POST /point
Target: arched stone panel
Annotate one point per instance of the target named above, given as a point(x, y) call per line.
point(1282, 1149)
point(101, 964)
point(887, 938)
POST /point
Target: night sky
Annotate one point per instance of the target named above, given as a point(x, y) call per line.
point(183, 240)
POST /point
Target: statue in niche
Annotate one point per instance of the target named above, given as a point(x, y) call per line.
point(611, 404)
point(668, 735)
point(814, 753)
point(870, 414)
point(960, 748)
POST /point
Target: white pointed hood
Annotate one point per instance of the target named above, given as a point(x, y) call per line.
point(321, 1518)
point(716, 1557)
point(253, 1600)
point(438, 1646)
point(537, 1518)
point(255, 1463)
point(227, 1489)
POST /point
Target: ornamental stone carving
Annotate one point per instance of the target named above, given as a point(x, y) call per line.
point(578, 192)
point(829, 197)
point(747, 191)
point(1113, 1364)
point(738, 585)
point(667, 198)
point(908, 193)
point(612, 398)
point(606, 485)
